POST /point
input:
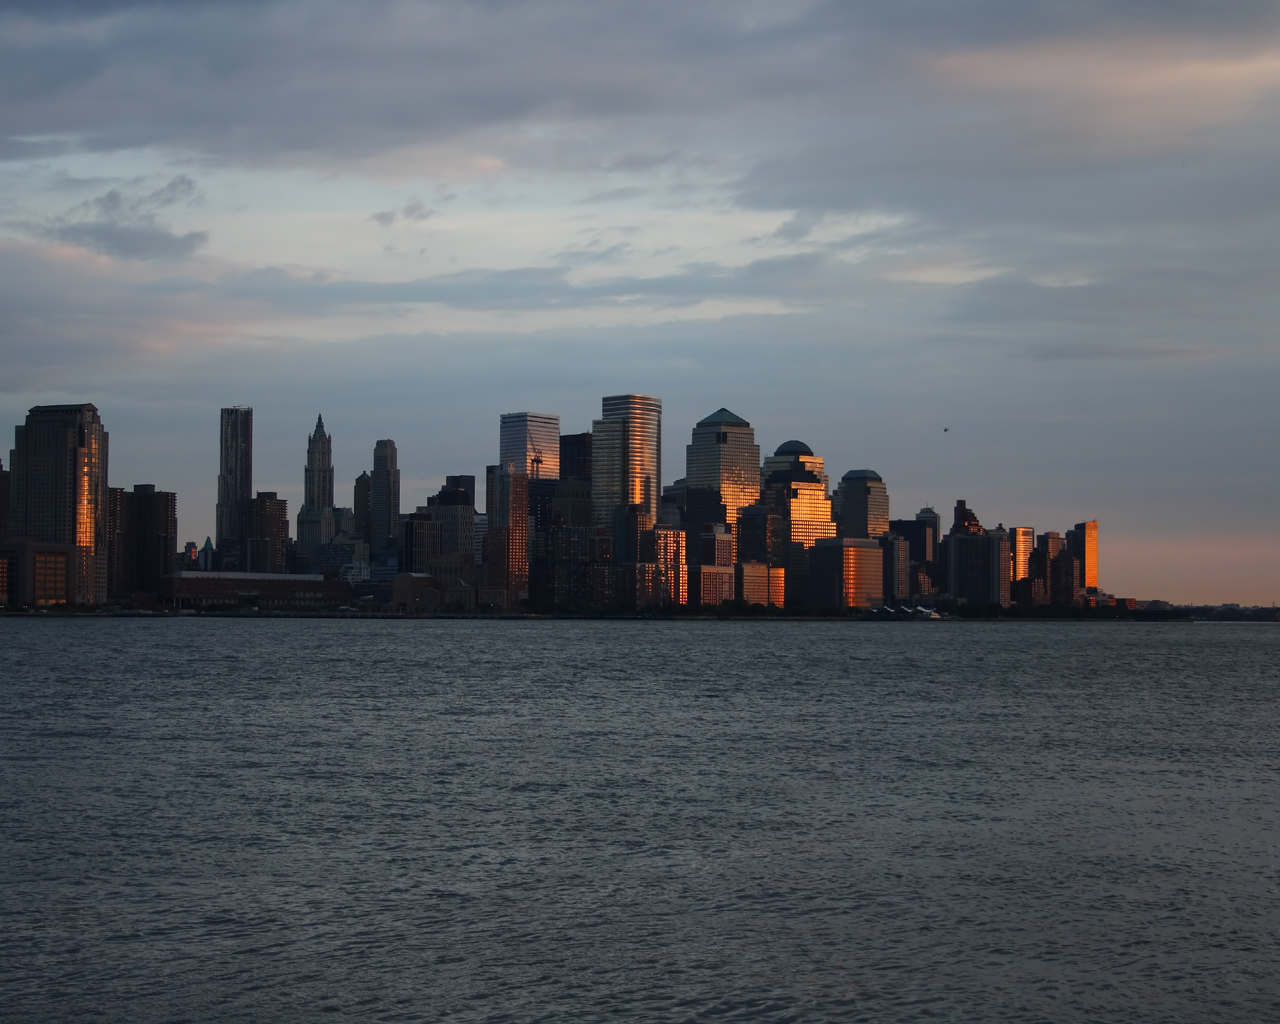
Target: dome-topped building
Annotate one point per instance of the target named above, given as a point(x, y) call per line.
point(794, 457)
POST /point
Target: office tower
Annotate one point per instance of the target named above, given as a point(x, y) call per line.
point(864, 504)
point(531, 441)
point(630, 523)
point(931, 518)
point(918, 534)
point(362, 506)
point(757, 583)
point(316, 524)
point(1050, 542)
point(4, 501)
point(420, 541)
point(897, 567)
point(1022, 541)
point(506, 538)
point(762, 535)
point(1064, 579)
point(793, 456)
point(796, 490)
point(571, 505)
point(453, 507)
point(575, 457)
point(846, 572)
point(264, 533)
point(479, 530)
point(964, 520)
point(1083, 541)
point(235, 477)
point(318, 473)
point(626, 456)
point(142, 527)
point(722, 471)
point(384, 501)
point(1001, 567)
point(59, 491)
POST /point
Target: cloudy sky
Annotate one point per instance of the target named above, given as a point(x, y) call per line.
point(1050, 228)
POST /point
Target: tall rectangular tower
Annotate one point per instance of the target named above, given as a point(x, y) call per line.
point(235, 475)
point(636, 448)
point(1022, 541)
point(59, 490)
point(384, 500)
point(531, 441)
point(1083, 541)
point(722, 468)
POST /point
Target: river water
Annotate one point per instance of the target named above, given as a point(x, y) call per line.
point(295, 820)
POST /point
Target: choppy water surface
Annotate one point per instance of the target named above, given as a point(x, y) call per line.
point(277, 820)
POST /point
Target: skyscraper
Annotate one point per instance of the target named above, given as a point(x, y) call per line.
point(794, 455)
point(1083, 541)
point(864, 504)
point(315, 518)
point(384, 500)
point(317, 476)
point(264, 533)
point(626, 458)
point(531, 440)
point(506, 538)
point(362, 505)
point(1022, 541)
point(796, 491)
point(235, 477)
point(143, 527)
point(59, 491)
point(575, 457)
point(4, 500)
point(722, 471)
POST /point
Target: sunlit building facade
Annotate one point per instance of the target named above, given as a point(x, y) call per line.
point(59, 491)
point(846, 572)
point(608, 454)
point(639, 454)
point(1022, 541)
point(723, 461)
point(1083, 541)
point(531, 441)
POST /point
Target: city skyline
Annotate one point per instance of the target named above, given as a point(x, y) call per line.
point(1017, 253)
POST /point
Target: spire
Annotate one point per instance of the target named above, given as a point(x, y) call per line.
point(319, 426)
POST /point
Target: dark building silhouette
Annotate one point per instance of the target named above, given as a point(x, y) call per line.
point(235, 480)
point(845, 572)
point(264, 533)
point(575, 457)
point(918, 534)
point(864, 504)
point(897, 567)
point(142, 527)
point(384, 501)
point(59, 491)
point(36, 573)
point(316, 523)
point(506, 539)
point(1064, 579)
point(4, 499)
point(362, 505)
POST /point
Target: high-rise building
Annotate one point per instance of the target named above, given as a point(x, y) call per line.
point(846, 572)
point(531, 441)
point(626, 458)
point(235, 477)
point(264, 533)
point(506, 539)
point(796, 490)
point(722, 472)
point(897, 567)
point(4, 500)
point(143, 531)
point(964, 520)
point(792, 456)
point(384, 501)
point(918, 533)
point(1083, 541)
point(1022, 541)
point(59, 491)
point(318, 473)
point(864, 504)
point(362, 506)
point(575, 457)
point(316, 524)
point(931, 518)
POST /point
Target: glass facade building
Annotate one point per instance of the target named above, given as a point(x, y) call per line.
point(58, 484)
point(531, 441)
point(864, 504)
point(641, 454)
point(235, 475)
point(723, 461)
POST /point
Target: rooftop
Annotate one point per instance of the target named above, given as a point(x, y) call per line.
point(723, 417)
